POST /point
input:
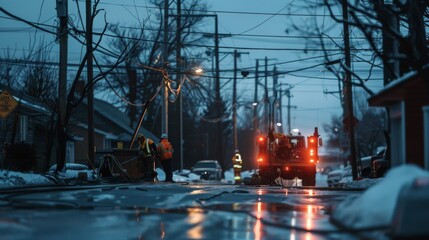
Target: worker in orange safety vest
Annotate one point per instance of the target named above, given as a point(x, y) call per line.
point(165, 153)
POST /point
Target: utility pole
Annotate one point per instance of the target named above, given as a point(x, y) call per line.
point(164, 128)
point(179, 75)
point(275, 102)
point(89, 67)
point(417, 33)
point(266, 102)
point(217, 76)
point(255, 99)
point(390, 43)
point(234, 101)
point(266, 99)
point(349, 118)
point(62, 13)
point(289, 95)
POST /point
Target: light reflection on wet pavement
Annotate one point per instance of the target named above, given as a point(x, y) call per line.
point(172, 211)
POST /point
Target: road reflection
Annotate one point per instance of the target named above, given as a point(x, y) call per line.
point(243, 216)
point(195, 219)
point(257, 229)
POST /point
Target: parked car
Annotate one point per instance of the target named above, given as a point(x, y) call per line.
point(75, 171)
point(336, 177)
point(366, 163)
point(208, 170)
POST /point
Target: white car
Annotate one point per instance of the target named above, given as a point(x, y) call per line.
point(336, 177)
point(208, 170)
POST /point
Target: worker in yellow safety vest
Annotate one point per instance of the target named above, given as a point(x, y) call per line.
point(147, 154)
point(237, 163)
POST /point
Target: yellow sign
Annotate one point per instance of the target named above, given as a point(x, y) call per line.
point(7, 104)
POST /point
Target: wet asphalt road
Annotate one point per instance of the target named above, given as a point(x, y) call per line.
point(171, 211)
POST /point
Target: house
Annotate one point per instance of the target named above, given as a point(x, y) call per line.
point(33, 123)
point(407, 101)
point(111, 130)
point(28, 123)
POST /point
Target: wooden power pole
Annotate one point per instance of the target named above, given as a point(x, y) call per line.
point(349, 116)
point(62, 12)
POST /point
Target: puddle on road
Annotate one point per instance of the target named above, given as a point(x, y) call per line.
point(270, 208)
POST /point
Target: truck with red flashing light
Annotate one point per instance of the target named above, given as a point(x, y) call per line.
point(288, 156)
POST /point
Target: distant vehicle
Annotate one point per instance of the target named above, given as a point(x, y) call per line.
point(208, 170)
point(328, 163)
point(367, 163)
point(335, 176)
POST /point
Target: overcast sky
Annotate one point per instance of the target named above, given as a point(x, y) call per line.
point(265, 28)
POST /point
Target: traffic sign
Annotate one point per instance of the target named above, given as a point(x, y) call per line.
point(7, 104)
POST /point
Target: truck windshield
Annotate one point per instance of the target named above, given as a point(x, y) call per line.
point(297, 142)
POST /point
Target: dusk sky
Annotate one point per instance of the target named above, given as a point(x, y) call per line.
point(259, 29)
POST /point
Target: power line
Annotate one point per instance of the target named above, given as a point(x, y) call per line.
point(201, 45)
point(223, 11)
point(25, 21)
point(271, 16)
point(230, 35)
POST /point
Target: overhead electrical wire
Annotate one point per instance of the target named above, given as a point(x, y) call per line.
point(187, 44)
point(108, 52)
point(220, 11)
point(266, 20)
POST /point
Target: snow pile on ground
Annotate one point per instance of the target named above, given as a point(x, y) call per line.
point(183, 175)
point(363, 183)
point(375, 207)
point(16, 179)
point(229, 175)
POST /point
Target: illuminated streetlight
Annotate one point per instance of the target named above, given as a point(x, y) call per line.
point(197, 71)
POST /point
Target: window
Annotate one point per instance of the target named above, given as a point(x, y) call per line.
point(23, 128)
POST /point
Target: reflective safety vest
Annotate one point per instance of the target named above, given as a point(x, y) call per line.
point(237, 161)
point(145, 147)
point(165, 150)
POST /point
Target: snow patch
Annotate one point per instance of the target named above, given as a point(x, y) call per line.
point(375, 207)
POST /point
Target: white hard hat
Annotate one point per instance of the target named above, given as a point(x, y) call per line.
point(164, 135)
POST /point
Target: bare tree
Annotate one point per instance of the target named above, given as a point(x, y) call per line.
point(140, 76)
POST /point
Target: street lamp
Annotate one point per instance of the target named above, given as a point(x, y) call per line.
point(219, 126)
point(198, 71)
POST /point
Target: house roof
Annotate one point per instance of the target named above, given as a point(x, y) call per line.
point(409, 85)
point(109, 119)
point(26, 103)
